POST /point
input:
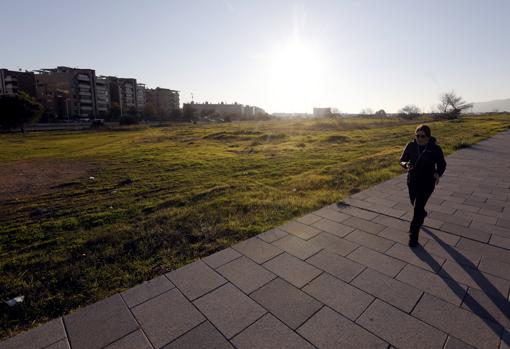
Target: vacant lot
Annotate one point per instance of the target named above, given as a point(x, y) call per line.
point(87, 214)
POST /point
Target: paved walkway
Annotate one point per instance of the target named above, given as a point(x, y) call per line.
point(340, 277)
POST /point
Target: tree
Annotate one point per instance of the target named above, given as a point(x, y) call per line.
point(176, 115)
point(410, 111)
point(149, 112)
point(18, 110)
point(366, 111)
point(451, 105)
point(380, 112)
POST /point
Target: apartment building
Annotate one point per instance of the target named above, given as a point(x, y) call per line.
point(163, 100)
point(12, 82)
point(103, 102)
point(123, 92)
point(140, 97)
point(67, 92)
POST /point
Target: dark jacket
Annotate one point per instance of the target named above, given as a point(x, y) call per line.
point(423, 165)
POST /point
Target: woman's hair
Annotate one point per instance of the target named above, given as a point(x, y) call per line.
point(425, 129)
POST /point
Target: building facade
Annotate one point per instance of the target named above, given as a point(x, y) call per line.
point(103, 102)
point(140, 97)
point(67, 92)
point(123, 92)
point(13, 82)
point(163, 100)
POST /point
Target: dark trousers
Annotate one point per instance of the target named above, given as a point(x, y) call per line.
point(419, 193)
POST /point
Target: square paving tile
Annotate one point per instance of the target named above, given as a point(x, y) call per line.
point(334, 244)
point(99, 324)
point(272, 235)
point(196, 279)
point(339, 295)
point(134, 340)
point(332, 227)
point(458, 322)
point(500, 241)
point(454, 343)
point(484, 249)
point(269, 333)
point(204, 336)
point(475, 278)
point(469, 233)
point(331, 214)
point(297, 247)
point(39, 337)
point(292, 269)
point(288, 303)
point(398, 294)
point(493, 307)
point(146, 290)
point(437, 285)
point(309, 219)
point(301, 230)
point(257, 250)
point(495, 267)
point(452, 253)
point(358, 213)
point(363, 224)
point(329, 330)
point(338, 266)
point(230, 310)
point(166, 317)
point(416, 256)
point(372, 241)
point(246, 274)
point(376, 260)
point(392, 222)
point(221, 257)
point(400, 236)
point(400, 329)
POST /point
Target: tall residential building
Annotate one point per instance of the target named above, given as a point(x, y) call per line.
point(67, 92)
point(123, 91)
point(163, 100)
point(140, 97)
point(102, 96)
point(12, 82)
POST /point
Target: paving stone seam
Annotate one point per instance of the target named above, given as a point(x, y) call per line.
point(148, 299)
point(136, 320)
point(58, 340)
point(438, 229)
point(211, 322)
point(218, 266)
point(351, 321)
point(253, 300)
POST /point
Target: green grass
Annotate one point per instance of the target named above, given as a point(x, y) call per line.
point(196, 189)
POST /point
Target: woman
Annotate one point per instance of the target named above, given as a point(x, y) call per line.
point(424, 161)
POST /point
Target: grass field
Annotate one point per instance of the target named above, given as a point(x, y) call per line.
point(161, 197)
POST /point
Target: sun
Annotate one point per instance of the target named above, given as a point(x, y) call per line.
point(295, 75)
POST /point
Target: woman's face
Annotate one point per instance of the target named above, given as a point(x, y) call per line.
point(421, 138)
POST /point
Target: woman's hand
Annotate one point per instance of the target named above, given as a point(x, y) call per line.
point(436, 177)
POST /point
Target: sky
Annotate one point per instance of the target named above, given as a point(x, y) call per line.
point(281, 55)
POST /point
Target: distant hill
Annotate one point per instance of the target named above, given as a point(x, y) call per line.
point(492, 106)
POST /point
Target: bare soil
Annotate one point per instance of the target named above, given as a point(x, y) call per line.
point(25, 178)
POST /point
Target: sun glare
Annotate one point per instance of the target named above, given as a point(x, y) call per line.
point(295, 76)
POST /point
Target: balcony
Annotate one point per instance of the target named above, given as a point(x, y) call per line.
point(84, 86)
point(84, 93)
point(85, 108)
point(83, 77)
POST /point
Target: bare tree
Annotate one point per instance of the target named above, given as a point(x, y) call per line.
point(366, 111)
point(410, 111)
point(451, 104)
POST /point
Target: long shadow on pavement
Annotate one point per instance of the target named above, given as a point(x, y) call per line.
point(483, 283)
